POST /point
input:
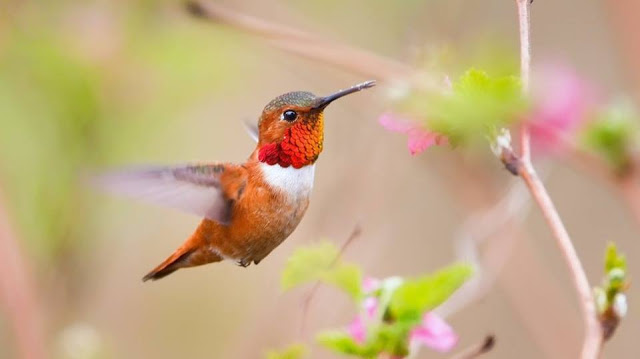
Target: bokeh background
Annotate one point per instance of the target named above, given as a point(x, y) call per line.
point(91, 85)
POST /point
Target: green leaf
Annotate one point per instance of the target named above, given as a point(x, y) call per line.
point(616, 271)
point(390, 338)
point(295, 351)
point(321, 262)
point(613, 134)
point(615, 282)
point(477, 105)
point(342, 342)
point(308, 264)
point(347, 277)
point(393, 338)
point(418, 296)
point(613, 259)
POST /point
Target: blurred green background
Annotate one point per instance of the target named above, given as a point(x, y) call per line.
point(89, 85)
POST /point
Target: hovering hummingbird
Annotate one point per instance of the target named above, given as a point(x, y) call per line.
point(249, 208)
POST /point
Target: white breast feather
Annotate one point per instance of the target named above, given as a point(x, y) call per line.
point(297, 182)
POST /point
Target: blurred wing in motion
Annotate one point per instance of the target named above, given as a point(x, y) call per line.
point(252, 130)
point(201, 189)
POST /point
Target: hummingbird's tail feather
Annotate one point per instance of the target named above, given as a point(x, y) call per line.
point(194, 252)
point(170, 265)
point(190, 258)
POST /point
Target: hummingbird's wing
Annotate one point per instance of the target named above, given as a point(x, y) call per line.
point(252, 130)
point(207, 190)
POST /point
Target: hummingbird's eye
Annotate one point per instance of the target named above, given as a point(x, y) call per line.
point(289, 116)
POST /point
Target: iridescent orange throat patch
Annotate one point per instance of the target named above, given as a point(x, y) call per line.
point(301, 145)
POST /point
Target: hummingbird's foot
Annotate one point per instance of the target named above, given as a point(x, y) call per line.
point(244, 263)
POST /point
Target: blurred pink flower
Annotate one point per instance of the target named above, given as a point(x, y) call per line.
point(560, 103)
point(419, 138)
point(357, 330)
point(370, 306)
point(434, 333)
point(370, 284)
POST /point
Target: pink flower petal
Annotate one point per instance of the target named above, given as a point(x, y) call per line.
point(561, 100)
point(434, 333)
point(419, 139)
point(394, 123)
point(370, 284)
point(370, 305)
point(357, 330)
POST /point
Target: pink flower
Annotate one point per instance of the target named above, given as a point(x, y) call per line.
point(419, 138)
point(370, 306)
point(370, 284)
point(357, 330)
point(434, 333)
point(560, 103)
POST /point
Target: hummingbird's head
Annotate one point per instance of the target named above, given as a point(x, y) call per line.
point(291, 127)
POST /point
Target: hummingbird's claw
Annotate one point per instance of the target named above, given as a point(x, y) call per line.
point(244, 263)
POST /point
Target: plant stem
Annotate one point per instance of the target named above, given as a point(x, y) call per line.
point(593, 335)
point(310, 46)
point(357, 230)
point(18, 296)
point(477, 350)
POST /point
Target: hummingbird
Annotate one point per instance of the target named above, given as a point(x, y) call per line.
point(248, 209)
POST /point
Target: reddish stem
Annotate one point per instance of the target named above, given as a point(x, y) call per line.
point(593, 335)
point(18, 294)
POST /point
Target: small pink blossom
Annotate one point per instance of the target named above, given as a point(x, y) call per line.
point(434, 333)
point(370, 284)
point(357, 330)
point(370, 306)
point(419, 138)
point(560, 104)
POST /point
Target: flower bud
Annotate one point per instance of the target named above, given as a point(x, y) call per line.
point(620, 305)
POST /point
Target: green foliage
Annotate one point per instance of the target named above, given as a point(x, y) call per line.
point(342, 342)
point(321, 262)
point(295, 351)
point(401, 303)
point(613, 134)
point(615, 281)
point(407, 301)
point(476, 105)
point(415, 297)
point(391, 338)
point(50, 114)
point(616, 270)
point(613, 259)
point(346, 276)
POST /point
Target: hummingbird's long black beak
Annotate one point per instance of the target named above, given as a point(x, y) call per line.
point(324, 101)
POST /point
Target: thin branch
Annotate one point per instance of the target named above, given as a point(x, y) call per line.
point(18, 294)
point(306, 302)
point(310, 46)
point(525, 71)
point(477, 195)
point(477, 350)
point(593, 334)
